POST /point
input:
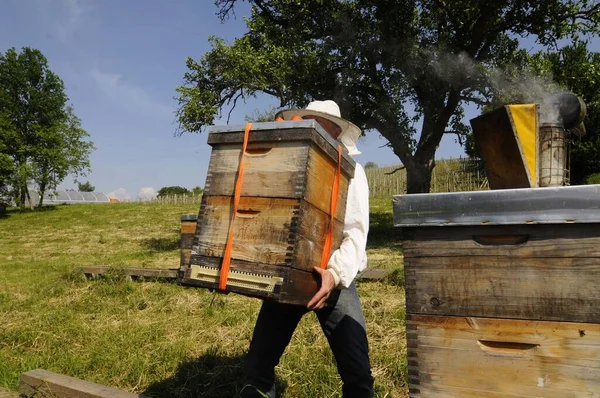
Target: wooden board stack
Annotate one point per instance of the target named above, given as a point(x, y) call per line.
point(502, 292)
point(283, 215)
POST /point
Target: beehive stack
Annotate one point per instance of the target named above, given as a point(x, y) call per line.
point(502, 292)
point(283, 215)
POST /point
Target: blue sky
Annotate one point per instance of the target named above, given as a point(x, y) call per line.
point(121, 61)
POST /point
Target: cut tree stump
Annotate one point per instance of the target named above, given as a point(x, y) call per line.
point(40, 383)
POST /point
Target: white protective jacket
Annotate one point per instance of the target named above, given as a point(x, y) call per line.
point(351, 258)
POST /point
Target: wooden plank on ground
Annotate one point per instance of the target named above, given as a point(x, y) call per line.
point(42, 383)
point(8, 394)
point(372, 274)
point(165, 273)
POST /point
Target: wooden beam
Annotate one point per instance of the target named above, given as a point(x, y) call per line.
point(40, 383)
point(171, 273)
point(372, 274)
point(6, 393)
point(160, 273)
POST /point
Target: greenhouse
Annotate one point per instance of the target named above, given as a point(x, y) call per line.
point(63, 197)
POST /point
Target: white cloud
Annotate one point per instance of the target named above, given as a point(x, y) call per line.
point(146, 193)
point(120, 194)
point(117, 89)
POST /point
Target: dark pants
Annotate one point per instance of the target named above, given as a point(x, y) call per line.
point(344, 327)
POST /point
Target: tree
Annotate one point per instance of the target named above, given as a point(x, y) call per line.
point(371, 165)
point(197, 191)
point(85, 187)
point(39, 133)
point(61, 151)
point(377, 59)
point(173, 190)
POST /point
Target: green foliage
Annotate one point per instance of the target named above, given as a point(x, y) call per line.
point(41, 139)
point(377, 59)
point(371, 165)
point(173, 190)
point(593, 179)
point(197, 191)
point(85, 187)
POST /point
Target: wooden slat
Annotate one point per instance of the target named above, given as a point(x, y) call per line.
point(496, 286)
point(170, 273)
point(310, 238)
point(294, 136)
point(486, 357)
point(262, 235)
point(320, 176)
point(42, 383)
point(3, 392)
point(278, 172)
point(372, 274)
point(556, 240)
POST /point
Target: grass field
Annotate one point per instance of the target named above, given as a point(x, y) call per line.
point(158, 338)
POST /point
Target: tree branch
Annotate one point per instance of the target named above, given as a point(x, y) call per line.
point(478, 101)
point(241, 94)
point(395, 170)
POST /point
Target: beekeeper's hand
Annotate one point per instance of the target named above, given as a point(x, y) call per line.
point(327, 285)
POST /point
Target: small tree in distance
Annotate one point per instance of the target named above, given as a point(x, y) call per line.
point(173, 190)
point(85, 187)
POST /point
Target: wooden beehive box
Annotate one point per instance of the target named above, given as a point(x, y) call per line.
point(502, 292)
point(284, 210)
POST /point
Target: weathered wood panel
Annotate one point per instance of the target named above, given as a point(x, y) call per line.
point(166, 273)
point(483, 357)
point(320, 176)
point(299, 135)
point(188, 231)
point(276, 170)
point(263, 229)
point(4, 393)
point(553, 240)
point(310, 239)
point(279, 170)
point(267, 231)
point(504, 287)
point(43, 383)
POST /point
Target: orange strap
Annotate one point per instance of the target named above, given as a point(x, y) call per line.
point(236, 201)
point(334, 199)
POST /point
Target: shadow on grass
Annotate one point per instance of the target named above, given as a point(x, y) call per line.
point(211, 375)
point(15, 210)
point(382, 233)
point(161, 244)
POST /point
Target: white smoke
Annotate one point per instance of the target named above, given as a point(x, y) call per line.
point(517, 85)
point(146, 193)
point(121, 194)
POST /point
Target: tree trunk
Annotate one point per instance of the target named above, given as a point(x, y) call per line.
point(418, 176)
point(435, 120)
point(41, 193)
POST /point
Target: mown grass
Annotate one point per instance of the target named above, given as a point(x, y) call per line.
point(158, 338)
